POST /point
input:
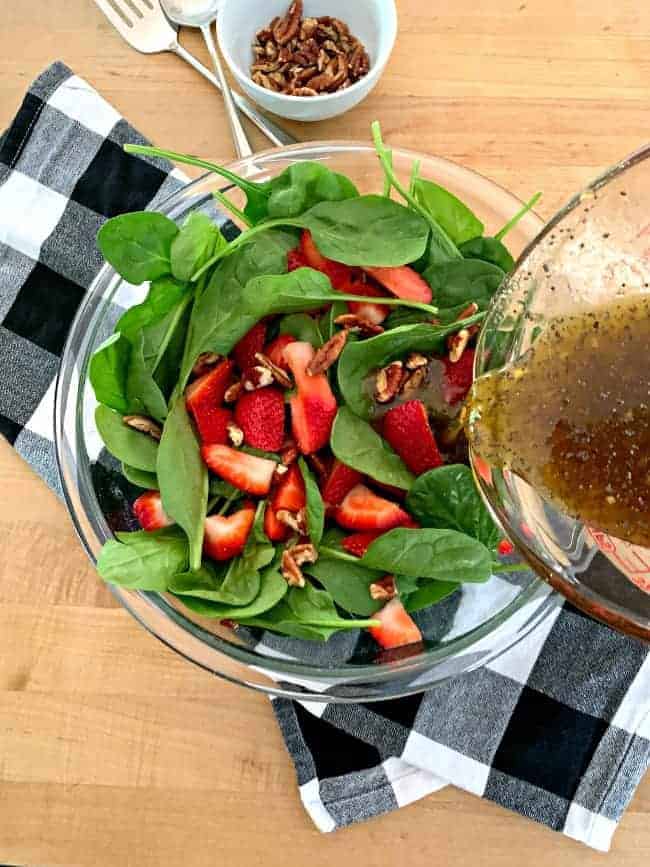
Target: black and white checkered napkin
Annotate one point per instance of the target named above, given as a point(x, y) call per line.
point(557, 728)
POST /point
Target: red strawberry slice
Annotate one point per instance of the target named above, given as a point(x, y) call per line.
point(407, 429)
point(314, 407)
point(274, 529)
point(225, 537)
point(260, 415)
point(340, 482)
point(246, 472)
point(290, 492)
point(338, 273)
point(403, 281)
point(150, 513)
point(505, 547)
point(203, 398)
point(363, 510)
point(358, 543)
point(251, 343)
point(396, 628)
point(375, 313)
point(295, 259)
point(275, 350)
point(458, 377)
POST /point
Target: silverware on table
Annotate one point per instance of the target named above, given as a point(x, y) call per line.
point(189, 13)
point(150, 32)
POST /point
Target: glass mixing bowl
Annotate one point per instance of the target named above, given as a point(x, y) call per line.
point(463, 632)
point(594, 251)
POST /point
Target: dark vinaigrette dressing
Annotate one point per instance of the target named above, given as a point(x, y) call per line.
point(572, 417)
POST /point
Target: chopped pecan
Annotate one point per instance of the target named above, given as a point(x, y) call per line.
point(235, 433)
point(415, 360)
point(289, 26)
point(289, 453)
point(388, 381)
point(308, 28)
point(232, 392)
point(291, 570)
point(470, 310)
point(413, 381)
point(279, 79)
point(204, 362)
point(352, 322)
point(266, 67)
point(271, 50)
point(301, 76)
point(332, 76)
point(303, 552)
point(144, 424)
point(323, 60)
point(457, 343)
point(279, 375)
point(341, 27)
point(279, 471)
point(257, 377)
point(264, 81)
point(266, 33)
point(359, 62)
point(297, 521)
point(304, 91)
point(328, 353)
point(384, 589)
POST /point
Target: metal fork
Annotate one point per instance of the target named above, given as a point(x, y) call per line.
point(144, 25)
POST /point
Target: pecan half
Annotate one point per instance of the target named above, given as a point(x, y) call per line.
point(279, 375)
point(328, 353)
point(304, 91)
point(388, 381)
point(457, 343)
point(413, 381)
point(291, 570)
point(289, 26)
point(470, 310)
point(297, 521)
point(332, 76)
point(205, 362)
point(303, 552)
point(384, 589)
point(415, 360)
point(144, 424)
point(308, 28)
point(359, 62)
point(353, 322)
point(257, 377)
point(235, 433)
point(232, 392)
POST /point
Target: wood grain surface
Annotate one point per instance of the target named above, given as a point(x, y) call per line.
point(113, 751)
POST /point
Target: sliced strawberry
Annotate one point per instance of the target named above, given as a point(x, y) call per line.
point(275, 350)
point(375, 313)
point(225, 537)
point(203, 399)
point(150, 513)
point(338, 273)
point(314, 407)
point(505, 547)
point(458, 377)
point(482, 468)
point(396, 628)
point(290, 492)
point(358, 543)
point(274, 529)
point(340, 482)
point(246, 472)
point(253, 341)
point(295, 259)
point(363, 510)
point(260, 415)
point(407, 429)
point(403, 281)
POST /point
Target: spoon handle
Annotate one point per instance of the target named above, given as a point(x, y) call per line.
point(242, 145)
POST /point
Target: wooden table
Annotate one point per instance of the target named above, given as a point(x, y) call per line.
point(113, 751)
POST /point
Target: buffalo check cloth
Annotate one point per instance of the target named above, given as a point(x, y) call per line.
point(557, 728)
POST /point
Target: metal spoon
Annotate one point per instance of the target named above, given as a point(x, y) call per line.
point(201, 14)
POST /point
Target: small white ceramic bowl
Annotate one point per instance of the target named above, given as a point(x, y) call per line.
point(374, 22)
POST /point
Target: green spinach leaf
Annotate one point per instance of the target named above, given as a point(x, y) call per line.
point(126, 444)
point(183, 478)
point(447, 498)
point(108, 371)
point(273, 587)
point(458, 221)
point(326, 324)
point(195, 243)
point(141, 478)
point(347, 583)
point(303, 185)
point(144, 560)
point(462, 281)
point(488, 250)
point(357, 444)
point(138, 245)
point(143, 392)
point(428, 594)
point(442, 555)
point(302, 327)
point(315, 505)
point(315, 607)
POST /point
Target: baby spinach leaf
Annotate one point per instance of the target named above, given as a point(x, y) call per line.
point(357, 444)
point(347, 583)
point(151, 316)
point(359, 360)
point(303, 185)
point(443, 555)
point(326, 324)
point(462, 281)
point(142, 390)
point(448, 498)
point(168, 362)
point(404, 316)
point(367, 230)
point(302, 327)
point(144, 560)
point(282, 620)
point(141, 478)
point(195, 243)
point(458, 221)
point(183, 478)
point(108, 371)
point(315, 607)
point(126, 444)
point(237, 584)
point(488, 250)
point(428, 594)
point(138, 245)
point(273, 587)
point(315, 505)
